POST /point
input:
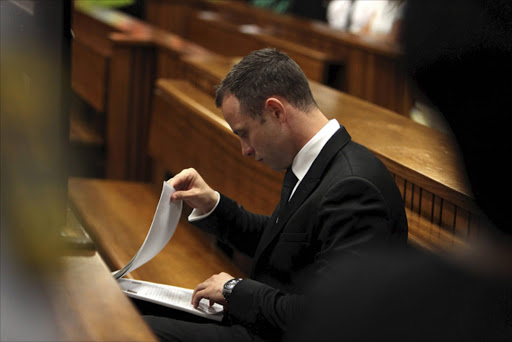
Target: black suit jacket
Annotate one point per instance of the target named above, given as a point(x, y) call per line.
point(346, 201)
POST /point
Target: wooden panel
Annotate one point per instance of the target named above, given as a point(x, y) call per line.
point(213, 33)
point(437, 210)
point(409, 192)
point(416, 199)
point(429, 236)
point(448, 216)
point(89, 71)
point(462, 222)
point(427, 204)
point(90, 29)
point(117, 216)
point(89, 306)
point(171, 15)
point(221, 39)
point(132, 77)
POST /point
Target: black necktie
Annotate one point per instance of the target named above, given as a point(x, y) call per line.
point(288, 184)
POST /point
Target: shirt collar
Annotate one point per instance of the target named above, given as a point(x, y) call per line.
point(307, 155)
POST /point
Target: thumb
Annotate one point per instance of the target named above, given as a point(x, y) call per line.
point(178, 195)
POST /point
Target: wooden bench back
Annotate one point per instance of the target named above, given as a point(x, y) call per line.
point(187, 130)
point(372, 66)
point(115, 61)
point(212, 32)
point(425, 162)
point(185, 116)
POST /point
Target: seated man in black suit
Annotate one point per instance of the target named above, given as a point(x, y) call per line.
point(337, 199)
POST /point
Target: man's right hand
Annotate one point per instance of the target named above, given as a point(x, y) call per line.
point(191, 188)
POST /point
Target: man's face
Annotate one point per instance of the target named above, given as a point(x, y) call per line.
point(264, 141)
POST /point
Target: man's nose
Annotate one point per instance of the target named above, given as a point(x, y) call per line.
point(247, 150)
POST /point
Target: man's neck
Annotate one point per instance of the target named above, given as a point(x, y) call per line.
point(308, 125)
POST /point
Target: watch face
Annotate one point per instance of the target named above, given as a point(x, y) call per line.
point(228, 287)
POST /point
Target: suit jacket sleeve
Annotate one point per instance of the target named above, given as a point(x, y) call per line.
point(234, 225)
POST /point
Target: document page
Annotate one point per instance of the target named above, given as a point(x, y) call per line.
point(162, 228)
point(170, 296)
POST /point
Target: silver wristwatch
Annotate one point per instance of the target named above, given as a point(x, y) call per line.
point(228, 287)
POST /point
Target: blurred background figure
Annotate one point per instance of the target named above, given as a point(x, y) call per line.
point(367, 17)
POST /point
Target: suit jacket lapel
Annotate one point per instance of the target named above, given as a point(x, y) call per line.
point(306, 186)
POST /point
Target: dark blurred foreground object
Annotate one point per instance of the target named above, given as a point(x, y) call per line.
point(459, 54)
point(35, 50)
point(405, 295)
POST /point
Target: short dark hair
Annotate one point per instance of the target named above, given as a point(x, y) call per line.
point(262, 74)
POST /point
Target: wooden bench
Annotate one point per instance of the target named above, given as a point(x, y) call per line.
point(372, 66)
point(115, 61)
point(424, 161)
point(89, 305)
point(117, 215)
point(85, 301)
point(209, 30)
point(111, 71)
point(440, 212)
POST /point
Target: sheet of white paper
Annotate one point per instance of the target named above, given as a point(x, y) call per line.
point(162, 228)
point(171, 296)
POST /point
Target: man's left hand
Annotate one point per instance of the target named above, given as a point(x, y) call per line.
point(211, 289)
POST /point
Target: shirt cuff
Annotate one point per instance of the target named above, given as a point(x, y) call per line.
point(197, 214)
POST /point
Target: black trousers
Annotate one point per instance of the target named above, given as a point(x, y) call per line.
point(174, 325)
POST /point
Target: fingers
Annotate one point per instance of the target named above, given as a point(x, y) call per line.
point(186, 183)
point(184, 195)
point(191, 188)
point(183, 180)
point(207, 292)
point(211, 289)
point(197, 295)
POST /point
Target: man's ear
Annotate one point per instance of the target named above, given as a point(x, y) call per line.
point(275, 107)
